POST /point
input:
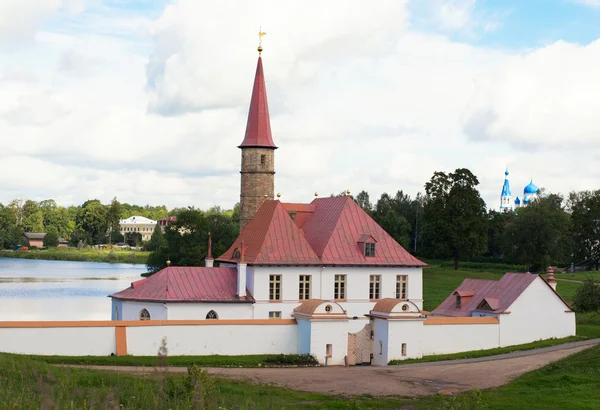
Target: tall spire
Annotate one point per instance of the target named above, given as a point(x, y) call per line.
point(506, 203)
point(258, 127)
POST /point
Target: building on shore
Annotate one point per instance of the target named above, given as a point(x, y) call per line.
point(139, 224)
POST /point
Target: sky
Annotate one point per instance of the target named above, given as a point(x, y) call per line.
point(147, 100)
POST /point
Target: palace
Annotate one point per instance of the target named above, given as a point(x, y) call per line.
point(324, 278)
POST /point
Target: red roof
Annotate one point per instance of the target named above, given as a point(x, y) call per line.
point(325, 232)
point(258, 128)
point(186, 284)
point(498, 295)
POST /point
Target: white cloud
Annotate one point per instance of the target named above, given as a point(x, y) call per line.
point(358, 100)
point(593, 3)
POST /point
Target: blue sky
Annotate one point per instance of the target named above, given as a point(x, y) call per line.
point(517, 23)
point(119, 97)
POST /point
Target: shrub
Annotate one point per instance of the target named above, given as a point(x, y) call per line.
point(293, 359)
point(587, 297)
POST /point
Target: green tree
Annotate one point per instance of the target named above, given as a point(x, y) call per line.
point(33, 217)
point(51, 238)
point(362, 199)
point(387, 214)
point(157, 240)
point(454, 216)
point(113, 217)
point(585, 216)
point(537, 236)
point(10, 232)
point(92, 219)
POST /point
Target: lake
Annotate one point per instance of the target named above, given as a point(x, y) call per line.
point(60, 290)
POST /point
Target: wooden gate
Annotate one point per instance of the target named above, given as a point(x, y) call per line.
point(360, 346)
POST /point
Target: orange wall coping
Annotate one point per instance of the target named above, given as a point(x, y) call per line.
point(133, 323)
point(486, 320)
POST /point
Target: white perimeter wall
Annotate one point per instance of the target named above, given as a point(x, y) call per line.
point(322, 287)
point(335, 333)
point(62, 341)
point(198, 311)
point(213, 339)
point(538, 313)
point(455, 338)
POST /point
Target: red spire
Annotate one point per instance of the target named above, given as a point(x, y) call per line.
point(258, 128)
point(209, 253)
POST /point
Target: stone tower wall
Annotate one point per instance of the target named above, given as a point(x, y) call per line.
point(258, 181)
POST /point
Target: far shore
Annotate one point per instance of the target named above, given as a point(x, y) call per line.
point(80, 255)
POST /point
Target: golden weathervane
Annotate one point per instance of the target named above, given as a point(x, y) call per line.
point(261, 34)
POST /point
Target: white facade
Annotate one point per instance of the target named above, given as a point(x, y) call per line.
point(322, 279)
point(138, 224)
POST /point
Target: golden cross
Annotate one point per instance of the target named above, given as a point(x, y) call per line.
point(261, 34)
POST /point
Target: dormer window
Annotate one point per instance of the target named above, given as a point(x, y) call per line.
point(236, 253)
point(458, 301)
point(292, 215)
point(366, 243)
point(369, 249)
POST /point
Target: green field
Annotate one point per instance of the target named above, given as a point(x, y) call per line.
point(572, 383)
point(81, 255)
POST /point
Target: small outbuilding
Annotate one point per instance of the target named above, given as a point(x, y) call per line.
point(34, 239)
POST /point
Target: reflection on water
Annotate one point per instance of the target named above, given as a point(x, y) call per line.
point(59, 290)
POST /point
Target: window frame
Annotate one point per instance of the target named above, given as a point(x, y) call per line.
point(214, 313)
point(275, 314)
point(458, 302)
point(339, 287)
point(275, 286)
point(370, 249)
point(374, 287)
point(402, 287)
point(144, 315)
point(304, 287)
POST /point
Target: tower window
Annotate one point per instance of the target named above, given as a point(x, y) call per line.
point(212, 315)
point(263, 160)
point(369, 249)
point(144, 315)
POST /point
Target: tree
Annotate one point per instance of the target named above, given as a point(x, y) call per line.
point(133, 238)
point(585, 217)
point(33, 217)
point(454, 216)
point(51, 238)
point(587, 297)
point(537, 236)
point(362, 199)
point(10, 232)
point(92, 219)
point(113, 217)
point(393, 222)
point(157, 240)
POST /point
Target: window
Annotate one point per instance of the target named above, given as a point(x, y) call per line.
point(339, 287)
point(369, 249)
point(403, 349)
point(328, 308)
point(374, 287)
point(458, 302)
point(274, 287)
point(401, 286)
point(144, 315)
point(304, 287)
point(292, 215)
point(274, 315)
point(263, 160)
point(236, 253)
point(328, 350)
point(212, 315)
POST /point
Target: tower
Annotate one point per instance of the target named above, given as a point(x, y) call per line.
point(258, 150)
point(506, 196)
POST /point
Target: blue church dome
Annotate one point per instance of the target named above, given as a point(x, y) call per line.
point(525, 201)
point(517, 201)
point(531, 189)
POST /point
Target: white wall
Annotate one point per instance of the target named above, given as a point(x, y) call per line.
point(322, 287)
point(537, 314)
point(198, 311)
point(405, 331)
point(131, 310)
point(381, 339)
point(333, 332)
point(63, 341)
point(223, 339)
point(455, 338)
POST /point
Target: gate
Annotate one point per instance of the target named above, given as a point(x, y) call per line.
point(360, 346)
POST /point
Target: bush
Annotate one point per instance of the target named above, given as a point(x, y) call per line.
point(587, 297)
point(293, 359)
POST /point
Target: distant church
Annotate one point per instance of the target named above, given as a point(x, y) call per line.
point(530, 192)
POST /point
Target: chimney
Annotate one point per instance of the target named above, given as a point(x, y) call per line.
point(209, 258)
point(241, 273)
point(550, 277)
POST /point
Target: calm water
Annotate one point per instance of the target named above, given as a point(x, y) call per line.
point(58, 290)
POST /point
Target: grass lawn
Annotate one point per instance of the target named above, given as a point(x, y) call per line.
point(179, 361)
point(582, 276)
point(572, 383)
point(81, 255)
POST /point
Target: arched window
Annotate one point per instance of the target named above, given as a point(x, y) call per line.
point(236, 253)
point(144, 315)
point(212, 315)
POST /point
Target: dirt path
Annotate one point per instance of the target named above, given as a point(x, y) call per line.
point(408, 380)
